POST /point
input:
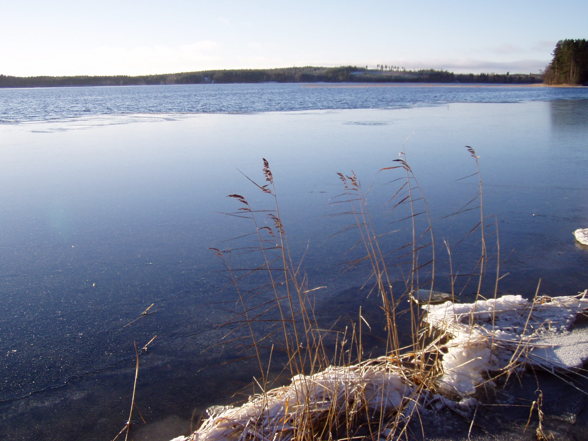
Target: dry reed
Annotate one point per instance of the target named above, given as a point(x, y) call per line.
point(334, 393)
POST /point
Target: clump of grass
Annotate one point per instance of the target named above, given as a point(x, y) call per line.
point(275, 297)
point(335, 393)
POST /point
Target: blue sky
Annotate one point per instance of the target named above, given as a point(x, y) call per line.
point(64, 37)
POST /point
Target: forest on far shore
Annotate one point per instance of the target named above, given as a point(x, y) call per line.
point(310, 74)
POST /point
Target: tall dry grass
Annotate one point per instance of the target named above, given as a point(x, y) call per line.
point(277, 302)
point(277, 324)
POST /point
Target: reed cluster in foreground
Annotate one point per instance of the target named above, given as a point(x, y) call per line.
point(436, 356)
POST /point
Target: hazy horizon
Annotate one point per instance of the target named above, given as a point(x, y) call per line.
point(67, 37)
point(262, 69)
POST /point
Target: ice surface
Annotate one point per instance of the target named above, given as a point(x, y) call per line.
point(561, 351)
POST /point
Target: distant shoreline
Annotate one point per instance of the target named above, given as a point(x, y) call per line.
point(402, 84)
point(310, 74)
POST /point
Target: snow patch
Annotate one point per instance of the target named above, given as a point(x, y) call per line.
point(504, 333)
point(333, 391)
point(581, 235)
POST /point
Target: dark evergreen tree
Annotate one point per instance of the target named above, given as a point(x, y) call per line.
point(569, 64)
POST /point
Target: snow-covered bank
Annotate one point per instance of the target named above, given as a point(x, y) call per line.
point(500, 334)
point(475, 342)
point(337, 392)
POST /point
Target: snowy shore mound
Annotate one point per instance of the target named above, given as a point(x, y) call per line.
point(333, 393)
point(475, 340)
point(500, 334)
point(581, 235)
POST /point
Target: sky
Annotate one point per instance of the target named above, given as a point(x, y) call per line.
point(135, 37)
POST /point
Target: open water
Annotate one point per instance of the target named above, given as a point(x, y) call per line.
point(111, 196)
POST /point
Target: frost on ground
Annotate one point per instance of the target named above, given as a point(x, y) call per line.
point(581, 235)
point(477, 340)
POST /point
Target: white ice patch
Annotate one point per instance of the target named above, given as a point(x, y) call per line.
point(581, 235)
point(336, 389)
point(561, 351)
point(496, 334)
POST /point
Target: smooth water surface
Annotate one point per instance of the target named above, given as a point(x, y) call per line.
point(106, 214)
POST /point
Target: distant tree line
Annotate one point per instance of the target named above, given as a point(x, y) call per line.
point(282, 75)
point(569, 64)
point(442, 76)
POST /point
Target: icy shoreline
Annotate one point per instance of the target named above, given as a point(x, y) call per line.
point(476, 342)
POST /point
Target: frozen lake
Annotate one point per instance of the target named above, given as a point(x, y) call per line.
point(105, 214)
